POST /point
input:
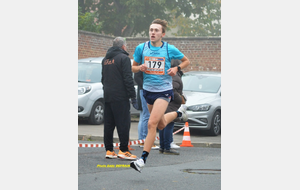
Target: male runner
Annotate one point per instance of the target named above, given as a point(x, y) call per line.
point(155, 57)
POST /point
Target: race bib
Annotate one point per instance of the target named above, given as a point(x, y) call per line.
point(156, 65)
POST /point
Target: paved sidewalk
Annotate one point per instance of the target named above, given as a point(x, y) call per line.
point(95, 134)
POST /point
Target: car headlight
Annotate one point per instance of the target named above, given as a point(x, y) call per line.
point(84, 89)
point(200, 107)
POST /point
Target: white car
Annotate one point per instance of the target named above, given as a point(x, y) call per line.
point(203, 92)
point(90, 91)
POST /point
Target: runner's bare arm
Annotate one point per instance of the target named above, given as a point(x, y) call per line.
point(136, 67)
point(184, 62)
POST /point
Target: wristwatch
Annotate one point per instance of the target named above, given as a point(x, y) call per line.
point(178, 68)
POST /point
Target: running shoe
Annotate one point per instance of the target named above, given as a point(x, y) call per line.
point(137, 165)
point(141, 145)
point(154, 147)
point(184, 115)
point(126, 155)
point(171, 152)
point(173, 145)
point(110, 154)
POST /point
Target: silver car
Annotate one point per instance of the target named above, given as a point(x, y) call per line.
point(203, 92)
point(90, 91)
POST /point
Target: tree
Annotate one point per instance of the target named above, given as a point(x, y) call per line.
point(86, 21)
point(128, 18)
point(131, 17)
point(206, 21)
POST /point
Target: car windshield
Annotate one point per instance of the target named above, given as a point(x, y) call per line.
point(201, 83)
point(89, 72)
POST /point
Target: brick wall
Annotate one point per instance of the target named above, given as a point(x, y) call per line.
point(204, 53)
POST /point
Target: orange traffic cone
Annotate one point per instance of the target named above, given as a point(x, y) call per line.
point(186, 140)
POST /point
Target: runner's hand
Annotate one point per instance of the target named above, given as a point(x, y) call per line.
point(172, 71)
point(143, 67)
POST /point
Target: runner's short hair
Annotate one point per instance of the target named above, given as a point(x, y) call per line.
point(163, 23)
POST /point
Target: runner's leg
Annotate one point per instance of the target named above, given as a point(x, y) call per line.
point(157, 111)
point(166, 119)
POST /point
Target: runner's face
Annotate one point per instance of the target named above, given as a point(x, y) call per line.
point(155, 33)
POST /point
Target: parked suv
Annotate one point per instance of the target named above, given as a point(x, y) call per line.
point(90, 91)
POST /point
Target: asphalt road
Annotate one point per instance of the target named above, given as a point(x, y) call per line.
point(194, 168)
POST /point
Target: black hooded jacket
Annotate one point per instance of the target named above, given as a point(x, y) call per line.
point(117, 76)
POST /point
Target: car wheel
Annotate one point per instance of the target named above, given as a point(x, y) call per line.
point(215, 127)
point(97, 114)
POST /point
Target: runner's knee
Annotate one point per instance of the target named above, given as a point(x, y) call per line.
point(151, 125)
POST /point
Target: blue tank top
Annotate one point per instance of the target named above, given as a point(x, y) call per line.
point(156, 56)
point(156, 78)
